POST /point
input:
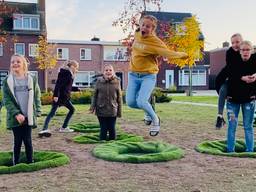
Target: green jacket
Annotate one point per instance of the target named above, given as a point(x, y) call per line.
point(107, 99)
point(12, 107)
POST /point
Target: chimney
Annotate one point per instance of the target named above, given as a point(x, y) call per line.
point(41, 11)
point(95, 39)
point(225, 44)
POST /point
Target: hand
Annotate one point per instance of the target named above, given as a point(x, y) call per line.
point(248, 78)
point(55, 99)
point(20, 118)
point(184, 56)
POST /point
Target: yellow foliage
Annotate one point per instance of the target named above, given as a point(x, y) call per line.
point(186, 38)
point(46, 58)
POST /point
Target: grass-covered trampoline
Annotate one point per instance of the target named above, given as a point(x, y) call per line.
point(42, 160)
point(137, 152)
point(219, 148)
point(86, 128)
point(94, 138)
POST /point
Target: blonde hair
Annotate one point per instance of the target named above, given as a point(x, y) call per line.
point(25, 62)
point(70, 63)
point(248, 43)
point(151, 18)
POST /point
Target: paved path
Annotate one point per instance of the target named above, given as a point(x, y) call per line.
point(192, 103)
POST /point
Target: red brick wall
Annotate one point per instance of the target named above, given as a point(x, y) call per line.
point(217, 61)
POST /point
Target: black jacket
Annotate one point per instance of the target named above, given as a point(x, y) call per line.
point(232, 57)
point(63, 86)
point(238, 90)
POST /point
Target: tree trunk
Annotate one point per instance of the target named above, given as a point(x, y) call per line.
point(46, 80)
point(190, 82)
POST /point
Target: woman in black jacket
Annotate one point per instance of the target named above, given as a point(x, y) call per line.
point(241, 93)
point(61, 97)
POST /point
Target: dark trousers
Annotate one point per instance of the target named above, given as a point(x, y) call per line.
point(54, 108)
point(107, 124)
point(22, 133)
point(222, 98)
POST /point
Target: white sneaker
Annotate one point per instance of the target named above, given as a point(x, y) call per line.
point(44, 133)
point(155, 128)
point(66, 130)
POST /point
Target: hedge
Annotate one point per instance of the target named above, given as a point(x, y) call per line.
point(137, 152)
point(42, 160)
point(219, 147)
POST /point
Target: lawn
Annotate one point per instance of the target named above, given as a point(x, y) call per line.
point(182, 125)
point(196, 99)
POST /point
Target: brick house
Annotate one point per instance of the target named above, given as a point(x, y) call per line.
point(92, 55)
point(171, 75)
point(23, 28)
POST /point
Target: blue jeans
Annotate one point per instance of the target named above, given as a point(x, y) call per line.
point(140, 87)
point(232, 114)
point(54, 108)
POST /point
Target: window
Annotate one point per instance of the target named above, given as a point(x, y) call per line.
point(1, 49)
point(115, 53)
point(26, 22)
point(3, 74)
point(84, 78)
point(62, 53)
point(85, 54)
point(19, 48)
point(198, 77)
point(32, 50)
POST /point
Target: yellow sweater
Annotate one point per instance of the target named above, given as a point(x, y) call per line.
point(144, 53)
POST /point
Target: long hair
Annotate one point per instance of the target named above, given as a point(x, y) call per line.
point(25, 62)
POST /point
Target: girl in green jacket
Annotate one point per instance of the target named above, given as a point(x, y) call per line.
point(21, 97)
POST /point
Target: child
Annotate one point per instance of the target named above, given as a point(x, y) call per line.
point(241, 92)
point(144, 68)
point(107, 102)
point(21, 97)
point(61, 97)
point(232, 56)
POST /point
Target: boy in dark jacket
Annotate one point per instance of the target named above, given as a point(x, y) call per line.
point(241, 93)
point(232, 56)
point(107, 102)
point(61, 97)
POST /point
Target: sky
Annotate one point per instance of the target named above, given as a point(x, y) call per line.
point(84, 19)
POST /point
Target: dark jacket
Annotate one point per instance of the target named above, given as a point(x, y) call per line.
point(239, 91)
point(107, 99)
point(232, 57)
point(63, 86)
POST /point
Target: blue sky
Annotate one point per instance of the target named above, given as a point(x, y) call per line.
point(82, 19)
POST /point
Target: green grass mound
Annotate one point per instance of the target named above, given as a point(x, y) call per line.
point(137, 152)
point(94, 138)
point(42, 160)
point(86, 128)
point(219, 148)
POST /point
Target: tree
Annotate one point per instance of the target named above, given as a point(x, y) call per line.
point(6, 15)
point(132, 12)
point(45, 57)
point(185, 37)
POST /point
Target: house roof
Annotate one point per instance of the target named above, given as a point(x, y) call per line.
point(172, 17)
point(78, 42)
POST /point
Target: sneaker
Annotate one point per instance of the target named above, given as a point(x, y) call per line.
point(154, 129)
point(44, 133)
point(66, 130)
point(220, 122)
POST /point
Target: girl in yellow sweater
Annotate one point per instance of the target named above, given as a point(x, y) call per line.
point(144, 68)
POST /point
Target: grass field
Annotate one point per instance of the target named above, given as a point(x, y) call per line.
point(182, 125)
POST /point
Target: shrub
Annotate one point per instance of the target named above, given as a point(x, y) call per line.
point(160, 96)
point(46, 98)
